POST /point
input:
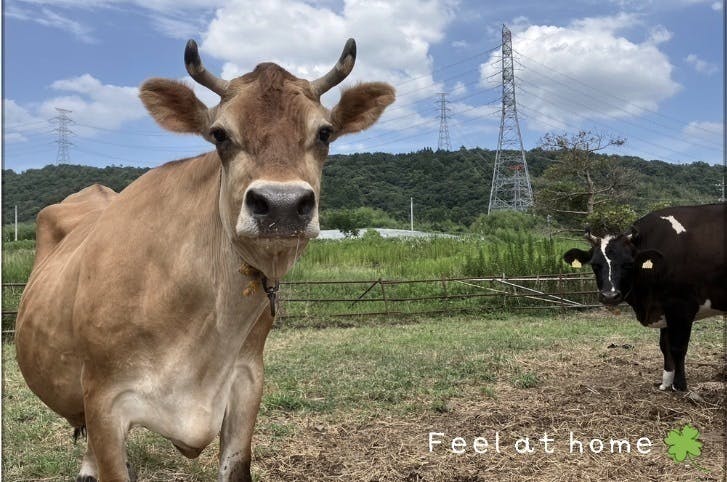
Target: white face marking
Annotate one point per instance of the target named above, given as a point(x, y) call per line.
point(604, 243)
point(676, 225)
point(667, 379)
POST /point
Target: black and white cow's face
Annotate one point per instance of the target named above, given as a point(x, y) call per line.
point(616, 262)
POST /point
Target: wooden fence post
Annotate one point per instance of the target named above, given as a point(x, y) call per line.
point(562, 294)
point(383, 295)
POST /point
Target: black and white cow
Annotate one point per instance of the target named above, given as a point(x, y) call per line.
point(671, 268)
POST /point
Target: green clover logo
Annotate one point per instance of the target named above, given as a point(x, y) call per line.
point(683, 444)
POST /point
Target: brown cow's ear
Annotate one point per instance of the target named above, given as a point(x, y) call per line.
point(174, 106)
point(360, 106)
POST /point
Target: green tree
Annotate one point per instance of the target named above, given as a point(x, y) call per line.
point(579, 181)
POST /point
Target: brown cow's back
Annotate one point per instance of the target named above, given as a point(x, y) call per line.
point(54, 222)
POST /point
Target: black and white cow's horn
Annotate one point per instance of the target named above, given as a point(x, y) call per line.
point(591, 238)
point(633, 234)
point(199, 73)
point(340, 71)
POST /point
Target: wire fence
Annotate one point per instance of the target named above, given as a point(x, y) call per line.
point(317, 301)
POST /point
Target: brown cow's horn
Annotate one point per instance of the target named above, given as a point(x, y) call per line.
point(339, 72)
point(199, 73)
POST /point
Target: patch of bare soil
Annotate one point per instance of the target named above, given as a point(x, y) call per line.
point(597, 392)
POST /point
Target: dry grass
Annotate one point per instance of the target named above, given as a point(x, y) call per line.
point(598, 382)
point(595, 392)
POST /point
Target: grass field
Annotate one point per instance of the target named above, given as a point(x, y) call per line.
point(372, 257)
point(359, 403)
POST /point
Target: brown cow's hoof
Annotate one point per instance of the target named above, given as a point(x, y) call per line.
point(241, 472)
point(86, 478)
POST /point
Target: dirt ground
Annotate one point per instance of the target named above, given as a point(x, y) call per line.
point(605, 392)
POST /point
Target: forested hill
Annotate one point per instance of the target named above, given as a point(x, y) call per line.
point(449, 188)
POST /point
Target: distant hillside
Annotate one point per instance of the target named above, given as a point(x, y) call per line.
point(449, 188)
point(34, 189)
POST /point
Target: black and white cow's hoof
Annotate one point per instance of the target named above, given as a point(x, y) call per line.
point(667, 380)
point(680, 385)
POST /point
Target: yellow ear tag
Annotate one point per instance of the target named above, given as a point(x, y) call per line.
point(576, 264)
point(647, 264)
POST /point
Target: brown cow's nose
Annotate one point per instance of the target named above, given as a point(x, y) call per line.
point(281, 210)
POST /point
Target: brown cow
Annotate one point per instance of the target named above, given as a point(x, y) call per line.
point(54, 222)
point(155, 313)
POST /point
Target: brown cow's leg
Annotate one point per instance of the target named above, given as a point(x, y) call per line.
point(106, 435)
point(89, 471)
point(241, 412)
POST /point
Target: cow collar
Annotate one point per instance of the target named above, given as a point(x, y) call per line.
point(271, 291)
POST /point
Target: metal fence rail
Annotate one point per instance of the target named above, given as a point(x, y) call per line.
point(396, 298)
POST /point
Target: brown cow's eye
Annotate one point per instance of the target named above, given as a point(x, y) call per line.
point(219, 135)
point(324, 134)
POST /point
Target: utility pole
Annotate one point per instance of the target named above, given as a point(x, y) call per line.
point(511, 188)
point(16, 222)
point(411, 212)
point(443, 143)
point(63, 121)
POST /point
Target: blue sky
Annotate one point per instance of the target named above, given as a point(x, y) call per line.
point(650, 71)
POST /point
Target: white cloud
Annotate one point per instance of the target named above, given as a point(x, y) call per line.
point(93, 105)
point(701, 66)
point(664, 4)
point(49, 18)
point(19, 121)
point(208, 98)
point(393, 39)
point(659, 34)
point(176, 28)
point(586, 70)
point(459, 88)
point(173, 18)
point(705, 131)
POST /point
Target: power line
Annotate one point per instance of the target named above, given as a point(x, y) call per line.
point(610, 116)
point(592, 88)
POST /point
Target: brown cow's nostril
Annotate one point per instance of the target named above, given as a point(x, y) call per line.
point(257, 204)
point(307, 204)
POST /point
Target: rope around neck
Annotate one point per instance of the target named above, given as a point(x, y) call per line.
point(251, 288)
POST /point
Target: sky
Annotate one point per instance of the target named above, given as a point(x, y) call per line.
point(648, 71)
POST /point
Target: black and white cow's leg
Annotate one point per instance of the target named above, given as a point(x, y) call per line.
point(680, 329)
point(243, 406)
point(667, 377)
